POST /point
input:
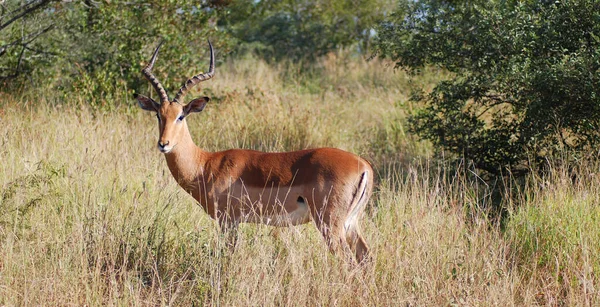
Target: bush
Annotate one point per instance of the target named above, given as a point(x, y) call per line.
point(525, 77)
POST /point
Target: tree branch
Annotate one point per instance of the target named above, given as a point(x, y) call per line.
point(497, 101)
point(17, 70)
point(24, 42)
point(25, 12)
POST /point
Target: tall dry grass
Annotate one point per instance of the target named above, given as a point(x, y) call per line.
point(89, 213)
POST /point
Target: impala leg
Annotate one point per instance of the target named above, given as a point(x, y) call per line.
point(333, 239)
point(344, 240)
point(353, 234)
point(358, 245)
point(351, 224)
point(331, 225)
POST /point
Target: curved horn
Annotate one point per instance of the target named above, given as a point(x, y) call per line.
point(197, 78)
point(147, 71)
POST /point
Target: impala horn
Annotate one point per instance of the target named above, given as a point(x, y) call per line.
point(197, 78)
point(147, 71)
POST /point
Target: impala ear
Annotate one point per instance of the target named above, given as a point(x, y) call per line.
point(196, 105)
point(146, 103)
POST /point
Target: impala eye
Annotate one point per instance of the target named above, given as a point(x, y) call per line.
point(180, 118)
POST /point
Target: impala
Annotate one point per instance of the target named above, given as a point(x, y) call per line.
point(329, 185)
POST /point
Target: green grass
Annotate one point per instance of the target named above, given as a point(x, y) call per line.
point(555, 236)
point(90, 215)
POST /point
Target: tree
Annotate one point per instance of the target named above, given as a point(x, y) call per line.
point(525, 77)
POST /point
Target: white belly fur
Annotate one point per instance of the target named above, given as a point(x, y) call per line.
point(299, 216)
point(268, 205)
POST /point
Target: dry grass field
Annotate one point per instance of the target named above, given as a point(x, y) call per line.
point(90, 215)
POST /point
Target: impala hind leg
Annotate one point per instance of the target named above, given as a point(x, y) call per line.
point(335, 241)
point(331, 225)
point(351, 224)
point(358, 245)
point(349, 244)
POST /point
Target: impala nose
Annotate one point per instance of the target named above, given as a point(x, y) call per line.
point(162, 144)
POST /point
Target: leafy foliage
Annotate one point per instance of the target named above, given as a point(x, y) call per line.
point(525, 82)
point(99, 47)
point(301, 29)
point(22, 24)
point(111, 41)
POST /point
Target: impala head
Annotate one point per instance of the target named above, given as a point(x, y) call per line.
point(171, 113)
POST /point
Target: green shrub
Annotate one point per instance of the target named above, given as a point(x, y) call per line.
point(525, 77)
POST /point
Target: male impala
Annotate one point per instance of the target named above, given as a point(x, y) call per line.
point(280, 189)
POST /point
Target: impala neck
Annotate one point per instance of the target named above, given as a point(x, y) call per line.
point(186, 160)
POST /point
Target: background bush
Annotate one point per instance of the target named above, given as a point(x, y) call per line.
point(525, 77)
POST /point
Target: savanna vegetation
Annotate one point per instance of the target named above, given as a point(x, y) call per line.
point(90, 215)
